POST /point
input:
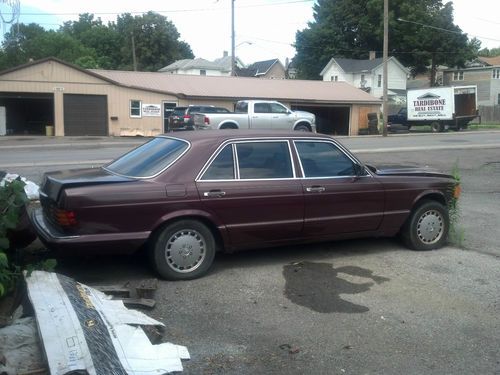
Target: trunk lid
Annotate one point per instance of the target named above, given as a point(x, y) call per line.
point(54, 182)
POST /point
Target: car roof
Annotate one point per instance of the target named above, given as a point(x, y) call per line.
point(228, 134)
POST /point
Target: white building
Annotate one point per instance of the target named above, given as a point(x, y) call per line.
point(368, 75)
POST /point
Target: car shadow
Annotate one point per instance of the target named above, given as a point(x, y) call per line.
point(303, 253)
point(123, 269)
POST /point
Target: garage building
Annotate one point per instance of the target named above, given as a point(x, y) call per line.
point(50, 94)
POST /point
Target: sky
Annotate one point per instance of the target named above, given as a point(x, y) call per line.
point(265, 29)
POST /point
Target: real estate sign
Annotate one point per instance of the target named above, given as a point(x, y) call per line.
point(151, 110)
point(430, 104)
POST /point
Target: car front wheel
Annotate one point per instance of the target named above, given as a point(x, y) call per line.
point(427, 227)
point(183, 250)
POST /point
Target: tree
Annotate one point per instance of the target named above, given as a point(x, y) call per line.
point(91, 44)
point(93, 34)
point(417, 36)
point(32, 42)
point(155, 38)
point(485, 52)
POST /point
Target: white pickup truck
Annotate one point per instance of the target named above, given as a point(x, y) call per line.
point(257, 114)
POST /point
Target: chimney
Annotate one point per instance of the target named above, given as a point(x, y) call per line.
point(373, 55)
point(225, 54)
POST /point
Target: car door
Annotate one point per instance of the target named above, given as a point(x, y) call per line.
point(250, 187)
point(338, 199)
point(262, 116)
point(282, 118)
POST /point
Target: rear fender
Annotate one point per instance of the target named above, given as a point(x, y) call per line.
point(228, 123)
point(217, 227)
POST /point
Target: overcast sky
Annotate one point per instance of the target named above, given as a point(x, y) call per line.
point(265, 29)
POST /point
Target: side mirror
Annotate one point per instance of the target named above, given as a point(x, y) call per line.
point(359, 170)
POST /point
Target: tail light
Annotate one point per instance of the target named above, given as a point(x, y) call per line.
point(65, 218)
point(186, 118)
point(206, 120)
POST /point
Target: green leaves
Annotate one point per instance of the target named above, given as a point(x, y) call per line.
point(421, 34)
point(12, 203)
point(91, 44)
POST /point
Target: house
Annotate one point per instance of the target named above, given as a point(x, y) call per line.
point(272, 69)
point(93, 102)
point(368, 75)
point(202, 67)
point(484, 72)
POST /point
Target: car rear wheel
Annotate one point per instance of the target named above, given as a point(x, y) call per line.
point(427, 227)
point(183, 250)
point(437, 127)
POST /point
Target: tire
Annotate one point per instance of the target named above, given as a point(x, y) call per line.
point(302, 128)
point(427, 227)
point(228, 126)
point(183, 250)
point(437, 127)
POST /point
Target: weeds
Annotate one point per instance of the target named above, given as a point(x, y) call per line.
point(456, 234)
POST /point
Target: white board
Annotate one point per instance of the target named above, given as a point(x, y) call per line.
point(82, 329)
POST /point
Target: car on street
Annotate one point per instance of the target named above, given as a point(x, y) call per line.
point(185, 196)
point(182, 118)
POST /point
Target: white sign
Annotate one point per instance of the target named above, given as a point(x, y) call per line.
point(151, 110)
point(430, 104)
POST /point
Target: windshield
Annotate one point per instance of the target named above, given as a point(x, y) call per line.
point(149, 159)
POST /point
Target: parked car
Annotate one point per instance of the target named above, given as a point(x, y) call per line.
point(257, 114)
point(182, 117)
point(184, 197)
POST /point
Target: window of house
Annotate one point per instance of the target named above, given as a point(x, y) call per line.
point(334, 78)
point(203, 72)
point(496, 73)
point(135, 108)
point(379, 80)
point(458, 76)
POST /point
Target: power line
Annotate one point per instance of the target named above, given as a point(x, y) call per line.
point(286, 2)
point(446, 30)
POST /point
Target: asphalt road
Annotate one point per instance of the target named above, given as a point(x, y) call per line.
point(350, 307)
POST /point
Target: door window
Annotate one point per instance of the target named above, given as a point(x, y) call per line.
point(262, 108)
point(323, 159)
point(264, 160)
point(222, 168)
point(278, 108)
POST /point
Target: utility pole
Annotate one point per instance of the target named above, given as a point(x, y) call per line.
point(385, 57)
point(233, 47)
point(134, 59)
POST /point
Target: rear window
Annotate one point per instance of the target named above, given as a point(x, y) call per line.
point(241, 107)
point(179, 111)
point(149, 159)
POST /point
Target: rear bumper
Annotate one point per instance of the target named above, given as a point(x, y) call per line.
point(53, 238)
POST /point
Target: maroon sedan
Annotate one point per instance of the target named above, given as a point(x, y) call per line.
point(187, 196)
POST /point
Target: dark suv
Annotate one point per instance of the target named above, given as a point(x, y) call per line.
point(182, 117)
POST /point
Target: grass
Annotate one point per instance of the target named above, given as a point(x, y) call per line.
point(456, 234)
point(484, 126)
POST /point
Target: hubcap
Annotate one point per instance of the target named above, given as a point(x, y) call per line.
point(185, 250)
point(430, 227)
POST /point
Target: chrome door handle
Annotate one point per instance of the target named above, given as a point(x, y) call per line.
point(315, 189)
point(214, 193)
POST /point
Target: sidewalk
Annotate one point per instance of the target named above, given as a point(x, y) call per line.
point(14, 142)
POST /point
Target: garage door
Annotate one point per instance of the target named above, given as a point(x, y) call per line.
point(85, 114)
